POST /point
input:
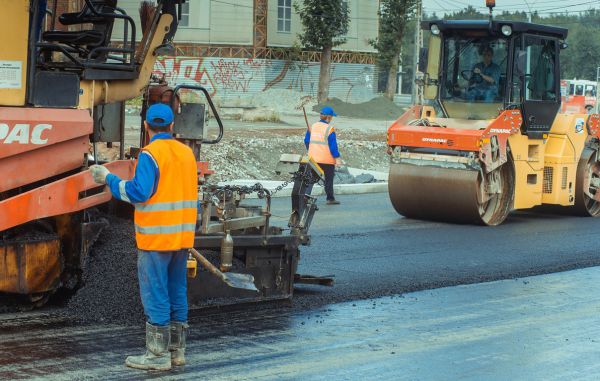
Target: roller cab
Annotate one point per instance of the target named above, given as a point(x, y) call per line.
point(488, 137)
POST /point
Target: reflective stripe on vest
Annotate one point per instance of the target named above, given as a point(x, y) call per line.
point(161, 206)
point(168, 229)
point(318, 148)
point(167, 221)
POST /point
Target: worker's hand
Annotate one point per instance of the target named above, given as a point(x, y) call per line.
point(477, 70)
point(99, 173)
point(338, 162)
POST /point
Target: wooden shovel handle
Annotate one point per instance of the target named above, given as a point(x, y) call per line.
point(206, 264)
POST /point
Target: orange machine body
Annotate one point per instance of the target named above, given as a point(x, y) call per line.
point(445, 136)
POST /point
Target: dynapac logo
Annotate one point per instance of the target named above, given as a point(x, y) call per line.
point(434, 140)
point(23, 133)
point(501, 131)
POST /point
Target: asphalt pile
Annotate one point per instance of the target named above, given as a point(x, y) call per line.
point(110, 291)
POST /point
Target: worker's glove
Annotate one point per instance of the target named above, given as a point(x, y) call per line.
point(338, 162)
point(99, 173)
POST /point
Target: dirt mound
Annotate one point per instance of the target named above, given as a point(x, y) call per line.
point(377, 108)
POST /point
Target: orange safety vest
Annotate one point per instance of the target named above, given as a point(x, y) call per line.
point(167, 221)
point(318, 148)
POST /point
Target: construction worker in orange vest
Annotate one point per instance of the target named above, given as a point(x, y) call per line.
point(164, 192)
point(321, 142)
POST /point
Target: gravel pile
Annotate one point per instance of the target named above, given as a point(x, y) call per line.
point(110, 293)
point(378, 108)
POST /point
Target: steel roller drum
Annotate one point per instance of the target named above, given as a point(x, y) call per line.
point(445, 194)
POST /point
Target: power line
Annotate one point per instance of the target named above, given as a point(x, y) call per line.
point(275, 11)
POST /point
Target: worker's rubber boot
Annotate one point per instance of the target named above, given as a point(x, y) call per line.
point(177, 347)
point(157, 355)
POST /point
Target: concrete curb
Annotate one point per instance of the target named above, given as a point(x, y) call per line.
point(379, 187)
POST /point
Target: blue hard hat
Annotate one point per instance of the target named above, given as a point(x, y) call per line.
point(328, 111)
point(159, 115)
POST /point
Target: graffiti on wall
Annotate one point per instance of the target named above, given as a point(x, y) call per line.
point(234, 77)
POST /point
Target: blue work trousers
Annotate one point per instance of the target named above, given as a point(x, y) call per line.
point(163, 285)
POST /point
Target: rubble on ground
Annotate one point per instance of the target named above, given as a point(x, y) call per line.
point(343, 176)
point(254, 153)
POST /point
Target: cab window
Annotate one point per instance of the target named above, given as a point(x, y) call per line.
point(539, 69)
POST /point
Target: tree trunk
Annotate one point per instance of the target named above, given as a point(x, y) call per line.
point(392, 81)
point(324, 75)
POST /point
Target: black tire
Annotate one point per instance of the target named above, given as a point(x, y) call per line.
point(584, 204)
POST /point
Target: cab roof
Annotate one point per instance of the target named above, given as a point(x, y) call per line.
point(482, 25)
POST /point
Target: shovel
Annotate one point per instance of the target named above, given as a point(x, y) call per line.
point(235, 280)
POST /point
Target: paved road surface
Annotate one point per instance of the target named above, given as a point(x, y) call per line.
point(539, 326)
point(375, 252)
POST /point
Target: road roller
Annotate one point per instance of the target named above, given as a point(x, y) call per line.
point(488, 137)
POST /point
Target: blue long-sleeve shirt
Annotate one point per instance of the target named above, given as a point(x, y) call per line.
point(331, 142)
point(144, 182)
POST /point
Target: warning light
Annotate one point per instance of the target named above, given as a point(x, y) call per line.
point(490, 3)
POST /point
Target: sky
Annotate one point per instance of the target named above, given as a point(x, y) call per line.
point(542, 6)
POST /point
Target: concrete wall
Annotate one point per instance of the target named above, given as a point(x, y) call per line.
point(363, 26)
point(229, 78)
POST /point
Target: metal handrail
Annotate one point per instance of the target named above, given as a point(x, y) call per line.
point(210, 103)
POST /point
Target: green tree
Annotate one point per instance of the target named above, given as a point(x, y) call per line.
point(325, 24)
point(394, 16)
point(582, 58)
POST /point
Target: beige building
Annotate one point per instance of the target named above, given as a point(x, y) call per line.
point(254, 27)
point(283, 30)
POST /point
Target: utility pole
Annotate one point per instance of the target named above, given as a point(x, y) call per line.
point(597, 90)
point(417, 95)
point(529, 13)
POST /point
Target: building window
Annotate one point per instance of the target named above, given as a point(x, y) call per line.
point(284, 15)
point(185, 15)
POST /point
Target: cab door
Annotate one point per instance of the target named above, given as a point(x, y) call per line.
point(536, 82)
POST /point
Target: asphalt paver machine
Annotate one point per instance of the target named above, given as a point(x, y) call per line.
point(489, 137)
point(62, 93)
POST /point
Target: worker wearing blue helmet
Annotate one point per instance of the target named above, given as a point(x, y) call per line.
point(321, 142)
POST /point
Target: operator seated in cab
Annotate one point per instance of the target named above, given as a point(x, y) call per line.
point(483, 85)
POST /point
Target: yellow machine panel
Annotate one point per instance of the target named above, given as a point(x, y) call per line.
point(528, 158)
point(14, 27)
point(433, 66)
point(30, 267)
